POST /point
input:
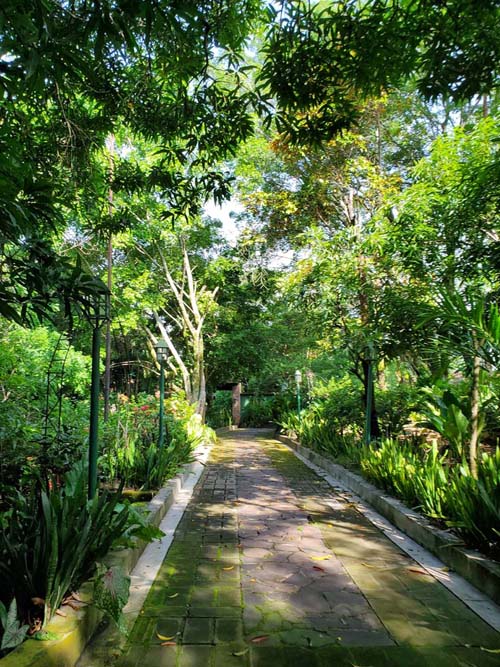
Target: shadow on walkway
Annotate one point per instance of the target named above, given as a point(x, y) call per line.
point(270, 566)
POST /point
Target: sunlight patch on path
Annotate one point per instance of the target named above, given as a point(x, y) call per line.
point(481, 604)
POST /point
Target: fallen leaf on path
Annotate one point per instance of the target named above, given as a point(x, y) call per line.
point(318, 567)
point(163, 638)
point(168, 644)
point(320, 557)
point(368, 565)
point(417, 570)
point(260, 638)
point(240, 653)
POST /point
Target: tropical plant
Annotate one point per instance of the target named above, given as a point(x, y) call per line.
point(474, 504)
point(257, 411)
point(426, 481)
point(111, 592)
point(446, 414)
point(130, 452)
point(219, 411)
point(53, 539)
point(13, 633)
point(314, 430)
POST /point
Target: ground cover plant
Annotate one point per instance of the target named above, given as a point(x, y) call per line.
point(426, 467)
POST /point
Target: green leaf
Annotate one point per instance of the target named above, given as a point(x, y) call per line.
point(14, 632)
point(3, 615)
point(111, 592)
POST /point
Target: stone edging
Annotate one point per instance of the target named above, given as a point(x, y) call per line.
point(473, 566)
point(77, 627)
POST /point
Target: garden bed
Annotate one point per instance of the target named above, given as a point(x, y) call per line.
point(76, 628)
point(475, 567)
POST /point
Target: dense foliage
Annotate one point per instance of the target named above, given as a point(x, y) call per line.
point(361, 140)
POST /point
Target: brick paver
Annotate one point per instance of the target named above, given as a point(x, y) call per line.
point(270, 566)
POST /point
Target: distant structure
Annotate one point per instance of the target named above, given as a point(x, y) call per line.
point(235, 389)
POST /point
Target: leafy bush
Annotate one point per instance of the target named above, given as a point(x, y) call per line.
point(219, 412)
point(130, 451)
point(401, 469)
point(474, 505)
point(340, 403)
point(395, 405)
point(26, 449)
point(427, 481)
point(51, 541)
point(257, 411)
point(447, 414)
point(314, 430)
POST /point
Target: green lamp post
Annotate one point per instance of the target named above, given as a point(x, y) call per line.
point(161, 348)
point(101, 314)
point(298, 382)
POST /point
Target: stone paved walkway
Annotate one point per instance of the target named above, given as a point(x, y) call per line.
point(270, 566)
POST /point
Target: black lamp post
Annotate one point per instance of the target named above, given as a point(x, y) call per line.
point(298, 382)
point(161, 348)
point(370, 361)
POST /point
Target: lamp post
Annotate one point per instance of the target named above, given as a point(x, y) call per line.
point(370, 359)
point(161, 348)
point(298, 381)
point(101, 314)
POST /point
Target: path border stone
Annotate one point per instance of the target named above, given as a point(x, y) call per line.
point(473, 566)
point(77, 627)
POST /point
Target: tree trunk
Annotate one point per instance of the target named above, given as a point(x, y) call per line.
point(186, 378)
point(198, 375)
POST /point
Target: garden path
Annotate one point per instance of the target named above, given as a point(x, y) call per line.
point(271, 566)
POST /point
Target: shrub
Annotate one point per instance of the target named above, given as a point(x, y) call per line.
point(26, 449)
point(314, 430)
point(219, 412)
point(395, 405)
point(257, 411)
point(474, 505)
point(52, 539)
point(130, 451)
point(427, 481)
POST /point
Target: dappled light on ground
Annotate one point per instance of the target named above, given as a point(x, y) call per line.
point(272, 566)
